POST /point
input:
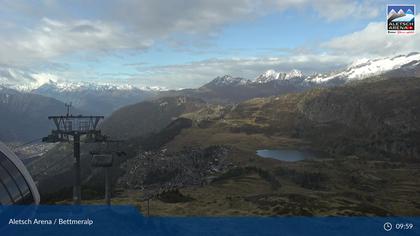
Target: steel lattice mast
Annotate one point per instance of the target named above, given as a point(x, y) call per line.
point(73, 127)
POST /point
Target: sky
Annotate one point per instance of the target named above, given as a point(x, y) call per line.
point(186, 43)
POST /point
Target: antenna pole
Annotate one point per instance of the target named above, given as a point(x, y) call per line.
point(68, 106)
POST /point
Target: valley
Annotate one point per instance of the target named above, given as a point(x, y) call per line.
point(194, 151)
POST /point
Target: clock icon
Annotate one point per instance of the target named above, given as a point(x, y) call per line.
point(387, 226)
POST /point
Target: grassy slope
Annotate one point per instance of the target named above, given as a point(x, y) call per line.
point(147, 117)
point(350, 185)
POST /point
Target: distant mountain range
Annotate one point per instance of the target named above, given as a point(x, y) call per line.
point(358, 70)
point(378, 116)
point(228, 89)
point(367, 110)
point(24, 115)
point(22, 106)
point(363, 69)
point(93, 98)
point(106, 98)
point(145, 116)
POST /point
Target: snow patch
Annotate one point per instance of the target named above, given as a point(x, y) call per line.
point(364, 68)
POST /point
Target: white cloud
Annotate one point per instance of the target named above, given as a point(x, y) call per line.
point(13, 76)
point(107, 26)
point(374, 41)
point(336, 9)
point(52, 38)
point(24, 78)
point(111, 25)
point(54, 30)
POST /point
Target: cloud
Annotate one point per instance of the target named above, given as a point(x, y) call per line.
point(11, 77)
point(373, 41)
point(52, 38)
point(52, 30)
point(43, 32)
point(335, 9)
point(189, 16)
point(56, 28)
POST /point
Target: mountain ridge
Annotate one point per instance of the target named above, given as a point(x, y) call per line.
point(24, 115)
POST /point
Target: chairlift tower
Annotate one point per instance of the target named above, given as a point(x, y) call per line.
point(104, 159)
point(71, 128)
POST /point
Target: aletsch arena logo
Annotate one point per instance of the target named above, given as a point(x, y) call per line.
point(401, 18)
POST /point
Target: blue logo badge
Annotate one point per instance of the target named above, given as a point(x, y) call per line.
point(401, 18)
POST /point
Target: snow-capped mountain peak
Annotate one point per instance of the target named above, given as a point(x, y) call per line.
point(24, 81)
point(154, 88)
point(294, 74)
point(364, 68)
point(71, 86)
point(229, 80)
point(271, 75)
